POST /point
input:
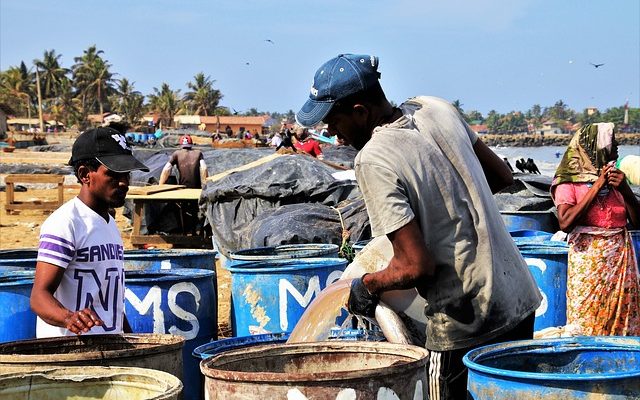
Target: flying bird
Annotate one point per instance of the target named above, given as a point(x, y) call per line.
point(269, 40)
point(597, 65)
point(247, 63)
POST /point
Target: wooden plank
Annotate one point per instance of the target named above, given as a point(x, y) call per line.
point(245, 167)
point(45, 205)
point(146, 190)
point(34, 178)
point(178, 194)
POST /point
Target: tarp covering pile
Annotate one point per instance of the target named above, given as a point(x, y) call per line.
point(288, 200)
point(529, 192)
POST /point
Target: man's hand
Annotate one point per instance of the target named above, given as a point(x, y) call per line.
point(361, 302)
point(82, 321)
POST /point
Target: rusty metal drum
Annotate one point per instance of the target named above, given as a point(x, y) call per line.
point(159, 352)
point(318, 371)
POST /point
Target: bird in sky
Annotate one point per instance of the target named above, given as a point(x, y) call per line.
point(234, 111)
point(269, 40)
point(597, 65)
point(247, 63)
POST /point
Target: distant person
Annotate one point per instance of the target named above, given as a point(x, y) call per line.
point(192, 168)
point(241, 134)
point(427, 181)
point(79, 283)
point(506, 161)
point(287, 141)
point(276, 140)
point(228, 131)
point(595, 203)
point(307, 144)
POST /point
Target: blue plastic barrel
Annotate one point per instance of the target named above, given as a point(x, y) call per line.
point(169, 259)
point(283, 252)
point(130, 136)
point(218, 346)
point(178, 302)
point(17, 321)
point(18, 258)
point(635, 239)
point(603, 368)
point(548, 264)
point(133, 259)
point(359, 245)
point(270, 297)
point(531, 220)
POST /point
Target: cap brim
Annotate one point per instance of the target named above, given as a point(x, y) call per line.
point(313, 112)
point(122, 163)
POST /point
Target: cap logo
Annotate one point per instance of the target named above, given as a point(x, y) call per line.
point(121, 141)
point(314, 91)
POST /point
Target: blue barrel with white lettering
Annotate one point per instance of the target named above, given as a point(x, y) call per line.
point(586, 367)
point(17, 321)
point(179, 302)
point(547, 262)
point(133, 259)
point(270, 297)
point(283, 252)
point(169, 259)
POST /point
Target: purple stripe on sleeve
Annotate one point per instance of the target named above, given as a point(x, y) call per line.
point(43, 257)
point(45, 235)
point(56, 248)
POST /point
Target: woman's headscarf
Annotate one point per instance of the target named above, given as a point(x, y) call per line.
point(588, 152)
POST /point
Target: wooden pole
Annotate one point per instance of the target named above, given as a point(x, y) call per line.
point(39, 101)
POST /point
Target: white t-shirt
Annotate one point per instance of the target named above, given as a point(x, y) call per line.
point(91, 251)
point(423, 167)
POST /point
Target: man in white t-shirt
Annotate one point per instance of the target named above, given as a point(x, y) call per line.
point(427, 181)
point(79, 283)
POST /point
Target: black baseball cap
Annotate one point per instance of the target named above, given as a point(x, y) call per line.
point(109, 147)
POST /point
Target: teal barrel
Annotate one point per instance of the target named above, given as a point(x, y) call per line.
point(635, 240)
point(17, 321)
point(530, 235)
point(603, 368)
point(218, 346)
point(547, 263)
point(179, 302)
point(133, 259)
point(532, 220)
point(270, 297)
point(283, 252)
point(359, 245)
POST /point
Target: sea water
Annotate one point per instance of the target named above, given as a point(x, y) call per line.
point(547, 158)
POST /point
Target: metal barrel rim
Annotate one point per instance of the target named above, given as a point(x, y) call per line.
point(286, 265)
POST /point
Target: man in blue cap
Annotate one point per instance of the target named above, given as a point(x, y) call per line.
point(427, 181)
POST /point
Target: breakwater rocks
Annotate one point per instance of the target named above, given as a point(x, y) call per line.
point(535, 140)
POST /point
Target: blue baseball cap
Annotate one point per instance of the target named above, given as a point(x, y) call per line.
point(336, 79)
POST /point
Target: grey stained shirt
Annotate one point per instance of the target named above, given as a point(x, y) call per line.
point(423, 166)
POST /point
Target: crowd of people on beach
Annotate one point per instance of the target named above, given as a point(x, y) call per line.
point(427, 181)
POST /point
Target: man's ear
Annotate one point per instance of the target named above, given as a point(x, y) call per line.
point(360, 111)
point(83, 174)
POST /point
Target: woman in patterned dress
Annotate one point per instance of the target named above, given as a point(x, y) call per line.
point(595, 203)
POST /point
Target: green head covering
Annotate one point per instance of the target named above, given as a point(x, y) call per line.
point(588, 152)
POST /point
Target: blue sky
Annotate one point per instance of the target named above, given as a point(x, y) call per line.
point(502, 54)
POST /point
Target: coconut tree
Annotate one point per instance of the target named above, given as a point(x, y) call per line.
point(93, 79)
point(17, 88)
point(128, 102)
point(165, 102)
point(51, 73)
point(202, 98)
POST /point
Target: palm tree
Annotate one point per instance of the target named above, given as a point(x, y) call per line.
point(17, 88)
point(202, 99)
point(458, 105)
point(128, 102)
point(51, 73)
point(93, 79)
point(66, 106)
point(165, 102)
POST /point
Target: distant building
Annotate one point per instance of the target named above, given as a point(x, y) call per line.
point(480, 129)
point(251, 124)
point(549, 126)
point(187, 121)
